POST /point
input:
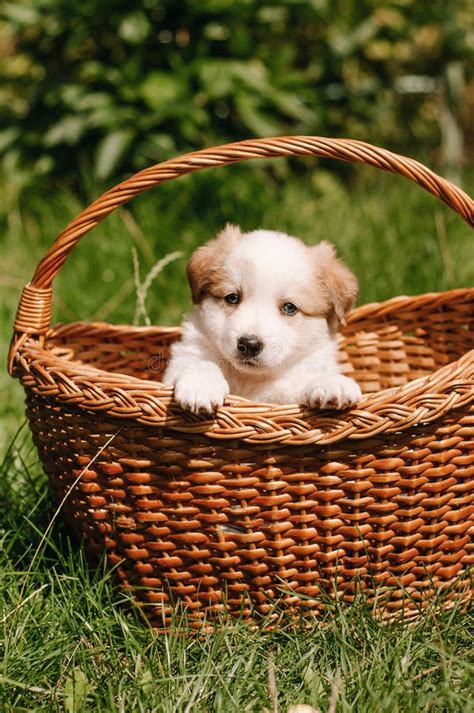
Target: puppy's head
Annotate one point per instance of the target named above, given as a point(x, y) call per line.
point(266, 299)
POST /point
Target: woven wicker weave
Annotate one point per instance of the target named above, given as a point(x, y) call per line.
point(262, 502)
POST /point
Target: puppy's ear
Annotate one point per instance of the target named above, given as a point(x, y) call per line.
point(205, 266)
point(199, 270)
point(338, 282)
point(229, 234)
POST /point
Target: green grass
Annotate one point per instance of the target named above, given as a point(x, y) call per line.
point(67, 640)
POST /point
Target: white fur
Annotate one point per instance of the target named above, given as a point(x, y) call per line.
point(298, 363)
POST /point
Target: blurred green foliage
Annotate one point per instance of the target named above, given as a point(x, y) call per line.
point(110, 86)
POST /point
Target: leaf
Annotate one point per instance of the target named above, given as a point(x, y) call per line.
point(215, 77)
point(161, 88)
point(290, 105)
point(20, 14)
point(216, 31)
point(8, 137)
point(94, 100)
point(146, 682)
point(110, 150)
point(134, 28)
point(75, 691)
point(253, 74)
point(254, 118)
point(68, 131)
point(343, 44)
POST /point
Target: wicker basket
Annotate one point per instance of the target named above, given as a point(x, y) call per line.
point(262, 503)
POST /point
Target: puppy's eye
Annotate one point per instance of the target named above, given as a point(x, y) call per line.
point(289, 308)
point(232, 299)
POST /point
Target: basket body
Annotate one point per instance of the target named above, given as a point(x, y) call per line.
point(221, 524)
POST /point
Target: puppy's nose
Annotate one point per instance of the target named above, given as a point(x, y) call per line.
point(249, 346)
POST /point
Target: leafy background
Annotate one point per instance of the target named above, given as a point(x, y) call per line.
point(107, 87)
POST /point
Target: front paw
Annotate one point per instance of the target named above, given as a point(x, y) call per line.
point(334, 392)
point(201, 394)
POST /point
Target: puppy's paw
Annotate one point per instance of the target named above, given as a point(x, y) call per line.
point(201, 394)
point(336, 391)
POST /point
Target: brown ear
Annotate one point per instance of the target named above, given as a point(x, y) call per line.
point(338, 282)
point(205, 266)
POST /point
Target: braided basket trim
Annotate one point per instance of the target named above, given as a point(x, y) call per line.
point(149, 402)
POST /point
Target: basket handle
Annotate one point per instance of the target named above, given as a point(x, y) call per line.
point(34, 310)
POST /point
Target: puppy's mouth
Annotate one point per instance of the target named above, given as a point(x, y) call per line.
point(252, 363)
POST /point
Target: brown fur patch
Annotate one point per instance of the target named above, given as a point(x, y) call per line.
point(206, 268)
point(339, 285)
point(311, 299)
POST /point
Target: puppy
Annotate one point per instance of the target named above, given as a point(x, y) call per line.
point(268, 309)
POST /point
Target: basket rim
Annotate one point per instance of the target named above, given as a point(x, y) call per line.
point(151, 403)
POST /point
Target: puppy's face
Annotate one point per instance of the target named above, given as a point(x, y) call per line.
point(265, 299)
